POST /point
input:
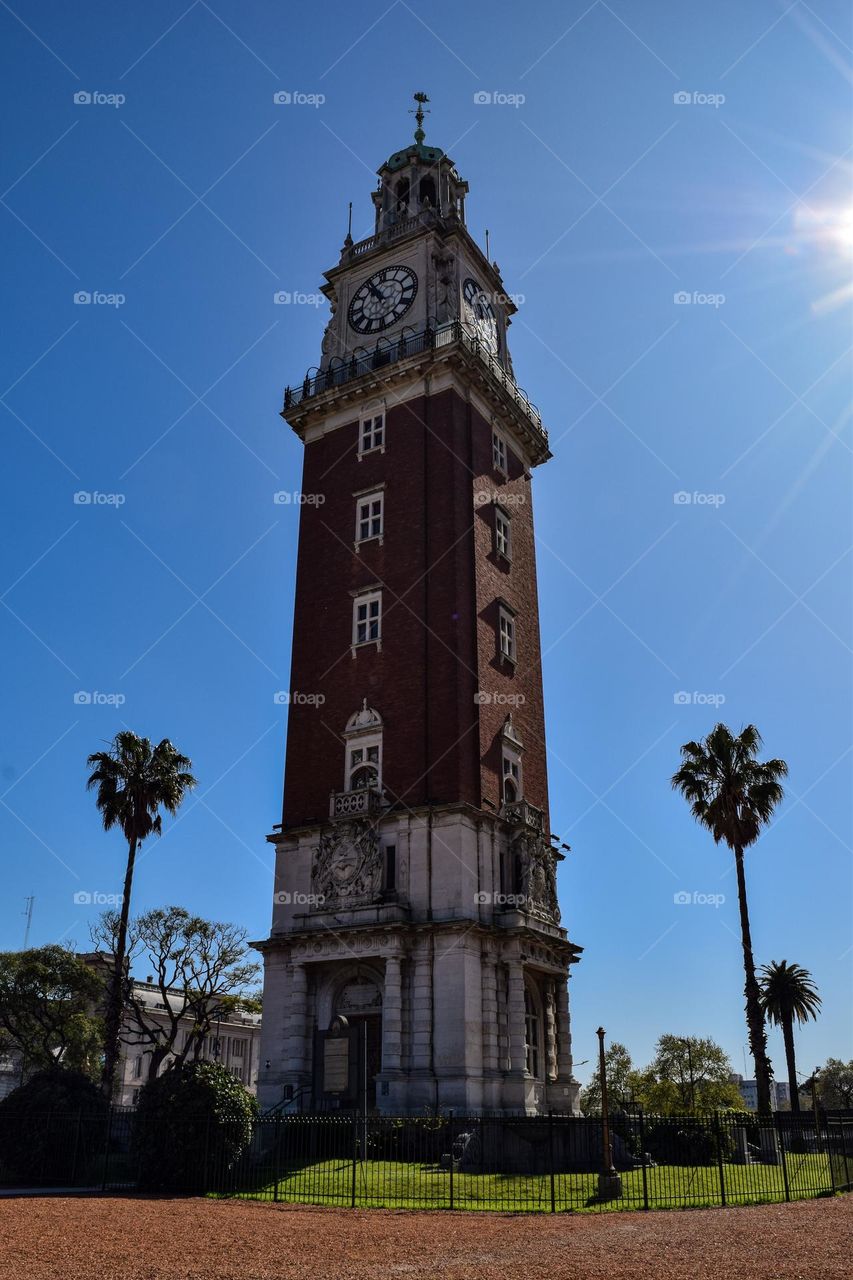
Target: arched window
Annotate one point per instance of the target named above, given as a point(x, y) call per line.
point(363, 736)
point(402, 197)
point(427, 192)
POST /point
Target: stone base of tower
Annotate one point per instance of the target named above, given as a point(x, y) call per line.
point(453, 993)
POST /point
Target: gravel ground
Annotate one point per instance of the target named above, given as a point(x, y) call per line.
point(131, 1238)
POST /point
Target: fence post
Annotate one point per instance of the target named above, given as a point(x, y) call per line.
point(829, 1152)
point(450, 1124)
point(551, 1159)
point(778, 1121)
point(107, 1146)
point(718, 1129)
point(76, 1146)
point(843, 1129)
point(276, 1155)
point(354, 1155)
point(645, 1162)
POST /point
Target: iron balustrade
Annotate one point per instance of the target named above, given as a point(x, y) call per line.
point(410, 344)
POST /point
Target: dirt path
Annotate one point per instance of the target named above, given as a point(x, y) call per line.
point(130, 1238)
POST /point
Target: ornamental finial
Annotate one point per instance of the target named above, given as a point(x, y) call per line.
point(420, 99)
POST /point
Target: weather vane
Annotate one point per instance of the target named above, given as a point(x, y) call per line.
point(420, 99)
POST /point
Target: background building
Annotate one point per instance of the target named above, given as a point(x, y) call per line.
point(780, 1099)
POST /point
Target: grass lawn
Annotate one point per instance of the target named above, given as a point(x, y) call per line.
point(391, 1184)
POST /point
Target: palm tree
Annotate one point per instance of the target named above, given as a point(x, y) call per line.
point(788, 992)
point(733, 795)
point(134, 781)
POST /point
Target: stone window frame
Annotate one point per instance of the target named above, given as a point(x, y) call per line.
point(500, 452)
point(512, 758)
point(366, 598)
point(502, 517)
point(535, 1064)
point(368, 431)
point(506, 629)
point(363, 743)
point(367, 498)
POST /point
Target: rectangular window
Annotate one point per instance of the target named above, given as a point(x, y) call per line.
point(137, 1068)
point(372, 433)
point(367, 619)
point(390, 868)
point(499, 452)
point(506, 635)
point(369, 517)
point(238, 1048)
point(503, 534)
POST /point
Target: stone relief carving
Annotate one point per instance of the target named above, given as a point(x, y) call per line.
point(537, 870)
point(348, 864)
point(444, 293)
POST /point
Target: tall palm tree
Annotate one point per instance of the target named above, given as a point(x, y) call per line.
point(788, 992)
point(733, 795)
point(134, 781)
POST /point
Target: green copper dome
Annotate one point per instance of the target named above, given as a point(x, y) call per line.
point(428, 155)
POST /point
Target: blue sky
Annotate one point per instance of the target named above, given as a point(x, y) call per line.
point(197, 198)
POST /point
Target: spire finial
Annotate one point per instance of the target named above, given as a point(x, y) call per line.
point(420, 99)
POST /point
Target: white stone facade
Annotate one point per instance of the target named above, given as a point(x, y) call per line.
point(463, 980)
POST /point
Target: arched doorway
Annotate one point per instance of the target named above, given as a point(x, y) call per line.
point(359, 1000)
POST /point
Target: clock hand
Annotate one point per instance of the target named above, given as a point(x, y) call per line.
point(377, 293)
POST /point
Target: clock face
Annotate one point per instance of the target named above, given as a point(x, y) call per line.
point(481, 314)
point(383, 299)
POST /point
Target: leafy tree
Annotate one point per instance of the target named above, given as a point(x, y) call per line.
point(191, 1126)
point(733, 795)
point(199, 967)
point(53, 1126)
point(48, 998)
point(835, 1085)
point(134, 781)
point(788, 994)
point(688, 1073)
point(619, 1070)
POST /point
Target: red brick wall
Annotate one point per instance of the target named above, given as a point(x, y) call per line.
point(438, 636)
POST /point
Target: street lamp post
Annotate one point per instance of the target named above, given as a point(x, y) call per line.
point(609, 1182)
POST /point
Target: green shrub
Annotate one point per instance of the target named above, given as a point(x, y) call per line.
point(191, 1126)
point(52, 1128)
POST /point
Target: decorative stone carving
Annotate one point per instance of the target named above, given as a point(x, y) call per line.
point(348, 864)
point(360, 995)
point(537, 872)
point(444, 308)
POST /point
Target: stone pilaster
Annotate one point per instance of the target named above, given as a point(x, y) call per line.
point(392, 1019)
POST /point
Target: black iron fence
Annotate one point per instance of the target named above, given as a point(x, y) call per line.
point(544, 1163)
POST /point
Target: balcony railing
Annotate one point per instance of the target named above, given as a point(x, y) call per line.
point(340, 371)
point(365, 802)
point(522, 814)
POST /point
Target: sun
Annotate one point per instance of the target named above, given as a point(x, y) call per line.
point(827, 227)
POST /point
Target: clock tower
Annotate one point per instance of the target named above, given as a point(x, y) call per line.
point(415, 907)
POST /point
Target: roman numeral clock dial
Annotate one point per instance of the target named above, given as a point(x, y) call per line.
point(383, 299)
